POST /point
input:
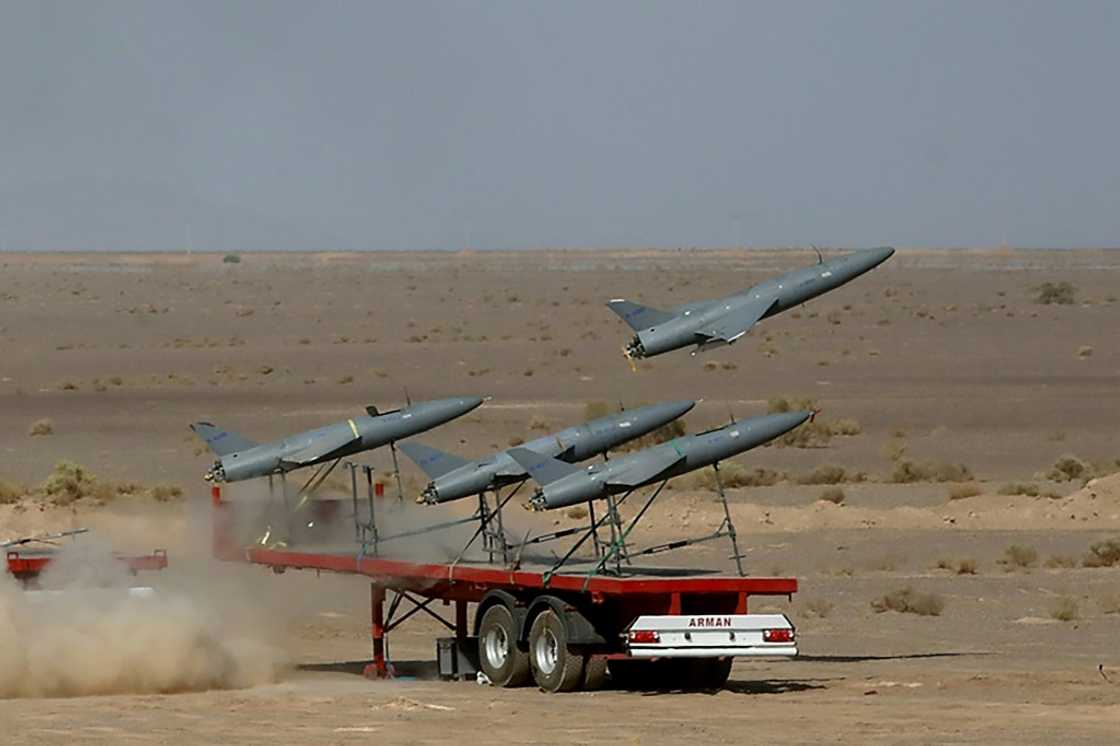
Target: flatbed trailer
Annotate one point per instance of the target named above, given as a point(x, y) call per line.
point(565, 631)
point(26, 566)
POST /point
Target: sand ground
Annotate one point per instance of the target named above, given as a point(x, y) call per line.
point(944, 354)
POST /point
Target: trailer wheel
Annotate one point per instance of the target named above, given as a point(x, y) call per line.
point(501, 660)
point(632, 673)
point(555, 667)
point(706, 674)
point(594, 673)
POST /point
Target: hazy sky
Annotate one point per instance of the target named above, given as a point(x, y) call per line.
point(303, 125)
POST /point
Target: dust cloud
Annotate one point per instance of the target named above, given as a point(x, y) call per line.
point(84, 633)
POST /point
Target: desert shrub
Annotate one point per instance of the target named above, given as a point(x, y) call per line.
point(845, 427)
point(346, 379)
point(825, 474)
point(663, 434)
point(735, 475)
point(11, 493)
point(67, 483)
point(516, 441)
point(1056, 561)
point(1103, 554)
point(834, 495)
point(909, 472)
point(1068, 468)
point(593, 410)
point(167, 492)
point(1055, 293)
point(1019, 488)
point(1018, 555)
point(536, 422)
point(963, 491)
point(1110, 604)
point(711, 365)
point(231, 259)
point(1085, 351)
point(909, 601)
point(1065, 609)
point(41, 427)
point(966, 567)
point(576, 513)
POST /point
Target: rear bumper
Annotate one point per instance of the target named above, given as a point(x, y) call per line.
point(786, 651)
point(711, 636)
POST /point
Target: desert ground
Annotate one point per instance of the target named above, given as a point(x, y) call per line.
point(967, 443)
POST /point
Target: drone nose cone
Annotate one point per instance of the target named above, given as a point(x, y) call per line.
point(786, 421)
point(678, 408)
point(452, 407)
point(467, 403)
point(877, 256)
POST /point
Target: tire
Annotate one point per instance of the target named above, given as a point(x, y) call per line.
point(499, 657)
point(555, 667)
point(633, 674)
point(594, 673)
point(706, 674)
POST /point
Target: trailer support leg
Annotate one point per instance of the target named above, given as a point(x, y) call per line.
point(727, 522)
point(460, 619)
point(396, 470)
point(379, 668)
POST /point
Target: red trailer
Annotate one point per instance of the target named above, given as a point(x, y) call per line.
point(26, 566)
point(562, 630)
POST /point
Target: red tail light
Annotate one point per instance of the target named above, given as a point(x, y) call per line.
point(644, 636)
point(777, 635)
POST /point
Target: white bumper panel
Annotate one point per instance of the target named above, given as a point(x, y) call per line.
point(711, 635)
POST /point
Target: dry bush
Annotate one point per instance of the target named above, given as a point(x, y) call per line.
point(711, 365)
point(41, 427)
point(909, 472)
point(1055, 293)
point(834, 495)
point(346, 379)
point(1065, 609)
point(663, 434)
point(1085, 351)
point(67, 483)
point(909, 601)
point(818, 607)
point(845, 427)
point(576, 513)
point(516, 441)
point(1057, 562)
point(11, 493)
point(1019, 488)
point(1069, 468)
point(593, 410)
point(1018, 555)
point(894, 449)
point(536, 422)
point(1103, 554)
point(1110, 604)
point(963, 491)
point(966, 567)
point(829, 474)
point(734, 475)
point(166, 492)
